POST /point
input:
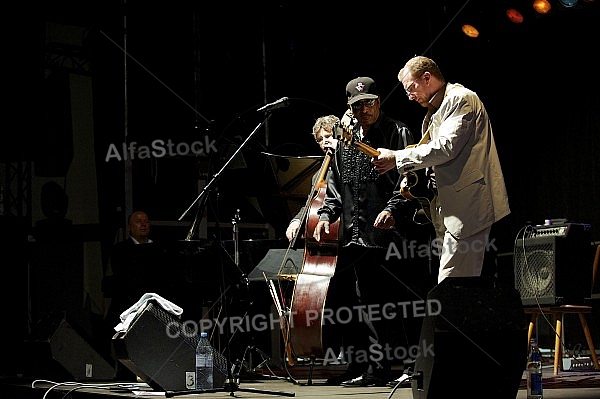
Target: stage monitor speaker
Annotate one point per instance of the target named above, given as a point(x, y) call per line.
point(161, 350)
point(473, 341)
point(58, 342)
point(553, 270)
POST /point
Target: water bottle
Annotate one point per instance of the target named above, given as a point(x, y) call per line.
point(204, 363)
point(534, 371)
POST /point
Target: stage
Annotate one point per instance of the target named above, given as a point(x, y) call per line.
point(572, 385)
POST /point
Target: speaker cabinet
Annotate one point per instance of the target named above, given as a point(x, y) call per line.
point(161, 350)
point(473, 341)
point(58, 343)
point(552, 270)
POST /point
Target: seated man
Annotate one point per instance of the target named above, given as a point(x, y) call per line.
point(137, 265)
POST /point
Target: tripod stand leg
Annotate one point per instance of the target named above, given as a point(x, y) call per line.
point(311, 367)
point(253, 390)
point(230, 387)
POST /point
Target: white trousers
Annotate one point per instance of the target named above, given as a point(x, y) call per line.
point(463, 257)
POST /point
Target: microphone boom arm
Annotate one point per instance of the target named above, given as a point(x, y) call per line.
point(217, 175)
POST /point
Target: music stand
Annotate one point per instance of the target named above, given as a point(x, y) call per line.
point(271, 263)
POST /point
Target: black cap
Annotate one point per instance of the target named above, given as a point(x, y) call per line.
point(362, 88)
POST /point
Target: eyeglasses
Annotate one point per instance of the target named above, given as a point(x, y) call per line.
point(364, 103)
point(414, 84)
point(410, 88)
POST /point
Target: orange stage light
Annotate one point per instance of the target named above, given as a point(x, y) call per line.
point(514, 16)
point(470, 30)
point(541, 6)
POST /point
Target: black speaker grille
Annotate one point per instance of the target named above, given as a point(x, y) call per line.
point(552, 270)
point(535, 262)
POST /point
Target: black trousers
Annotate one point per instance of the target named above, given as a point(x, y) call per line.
point(369, 304)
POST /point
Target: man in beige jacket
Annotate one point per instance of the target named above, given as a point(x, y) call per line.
point(459, 154)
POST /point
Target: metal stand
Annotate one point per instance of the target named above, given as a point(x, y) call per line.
point(217, 175)
point(230, 385)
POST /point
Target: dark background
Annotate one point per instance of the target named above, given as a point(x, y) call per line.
point(196, 70)
point(206, 69)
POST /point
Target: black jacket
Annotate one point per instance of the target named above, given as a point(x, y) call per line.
point(357, 193)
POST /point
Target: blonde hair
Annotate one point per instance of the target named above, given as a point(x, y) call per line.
point(418, 65)
point(326, 122)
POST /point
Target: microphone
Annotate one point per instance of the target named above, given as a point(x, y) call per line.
point(281, 103)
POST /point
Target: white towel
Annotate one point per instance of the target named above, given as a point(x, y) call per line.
point(128, 315)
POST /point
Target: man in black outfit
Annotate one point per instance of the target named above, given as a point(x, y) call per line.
point(374, 216)
point(137, 265)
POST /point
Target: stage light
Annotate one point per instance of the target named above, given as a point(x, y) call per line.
point(542, 6)
point(568, 3)
point(470, 30)
point(514, 15)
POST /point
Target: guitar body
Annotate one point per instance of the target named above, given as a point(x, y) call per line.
point(416, 189)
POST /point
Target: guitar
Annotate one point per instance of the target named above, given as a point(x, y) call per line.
point(415, 187)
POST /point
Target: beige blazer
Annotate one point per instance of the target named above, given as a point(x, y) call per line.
point(462, 152)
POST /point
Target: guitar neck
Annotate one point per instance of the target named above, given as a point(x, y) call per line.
point(366, 149)
point(347, 133)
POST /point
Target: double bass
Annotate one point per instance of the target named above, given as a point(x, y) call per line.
point(302, 325)
point(312, 283)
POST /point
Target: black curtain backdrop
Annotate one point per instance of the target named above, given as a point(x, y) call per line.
point(191, 73)
point(199, 73)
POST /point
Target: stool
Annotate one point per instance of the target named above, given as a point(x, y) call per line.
point(558, 313)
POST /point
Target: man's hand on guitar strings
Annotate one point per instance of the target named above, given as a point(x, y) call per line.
point(386, 160)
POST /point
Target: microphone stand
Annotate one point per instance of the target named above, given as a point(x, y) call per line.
point(217, 175)
point(230, 385)
point(236, 237)
point(236, 246)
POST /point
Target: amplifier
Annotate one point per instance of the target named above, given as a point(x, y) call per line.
point(578, 363)
point(552, 266)
point(559, 230)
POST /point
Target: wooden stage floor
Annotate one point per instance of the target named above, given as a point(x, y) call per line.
point(571, 385)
